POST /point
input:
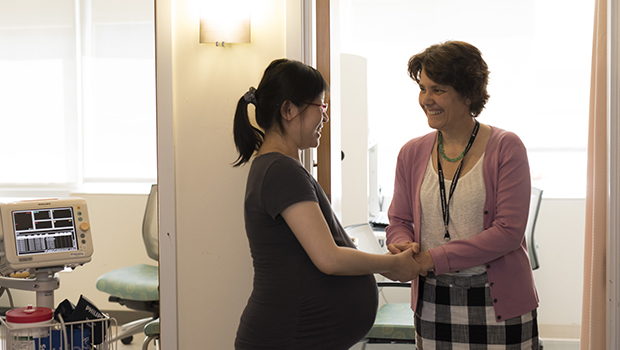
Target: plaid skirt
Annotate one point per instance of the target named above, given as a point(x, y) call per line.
point(456, 313)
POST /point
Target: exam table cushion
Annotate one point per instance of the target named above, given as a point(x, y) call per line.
point(394, 321)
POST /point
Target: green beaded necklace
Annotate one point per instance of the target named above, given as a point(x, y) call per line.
point(440, 140)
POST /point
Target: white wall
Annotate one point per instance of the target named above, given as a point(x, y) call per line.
point(214, 268)
point(354, 121)
point(560, 233)
point(116, 222)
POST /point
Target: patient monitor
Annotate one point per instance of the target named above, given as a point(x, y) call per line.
point(40, 234)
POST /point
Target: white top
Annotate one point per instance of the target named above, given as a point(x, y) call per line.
point(466, 207)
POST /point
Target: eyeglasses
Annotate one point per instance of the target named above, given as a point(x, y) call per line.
point(323, 106)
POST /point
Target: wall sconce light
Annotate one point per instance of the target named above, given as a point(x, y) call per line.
point(225, 21)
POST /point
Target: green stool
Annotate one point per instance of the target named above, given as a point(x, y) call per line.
point(151, 330)
point(139, 282)
point(136, 287)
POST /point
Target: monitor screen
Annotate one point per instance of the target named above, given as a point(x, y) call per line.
point(44, 231)
point(44, 234)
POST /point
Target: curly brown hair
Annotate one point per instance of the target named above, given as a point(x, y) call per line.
point(457, 64)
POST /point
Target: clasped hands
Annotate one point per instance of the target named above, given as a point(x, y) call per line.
point(412, 262)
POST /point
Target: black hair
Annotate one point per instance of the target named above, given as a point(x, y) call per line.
point(457, 64)
point(283, 80)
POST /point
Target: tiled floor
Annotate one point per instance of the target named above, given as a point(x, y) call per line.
point(558, 344)
point(136, 344)
point(549, 344)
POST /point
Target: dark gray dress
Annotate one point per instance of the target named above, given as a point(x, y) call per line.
point(294, 305)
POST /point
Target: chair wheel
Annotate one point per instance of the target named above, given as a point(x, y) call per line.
point(127, 340)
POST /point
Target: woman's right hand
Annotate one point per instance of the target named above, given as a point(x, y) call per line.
point(406, 268)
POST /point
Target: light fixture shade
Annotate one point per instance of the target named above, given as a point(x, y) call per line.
point(225, 21)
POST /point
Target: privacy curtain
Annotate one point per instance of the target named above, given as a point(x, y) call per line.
point(594, 312)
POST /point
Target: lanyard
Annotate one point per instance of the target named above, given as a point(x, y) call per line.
point(442, 188)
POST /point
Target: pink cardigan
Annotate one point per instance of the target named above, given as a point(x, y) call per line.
point(501, 247)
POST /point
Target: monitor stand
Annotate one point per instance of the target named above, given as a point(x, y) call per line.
point(44, 283)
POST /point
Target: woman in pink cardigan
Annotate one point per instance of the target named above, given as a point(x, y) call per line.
point(462, 194)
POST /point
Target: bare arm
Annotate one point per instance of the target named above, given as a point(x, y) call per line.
point(311, 230)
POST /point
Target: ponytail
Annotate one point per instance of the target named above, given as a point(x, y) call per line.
point(247, 138)
point(283, 80)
